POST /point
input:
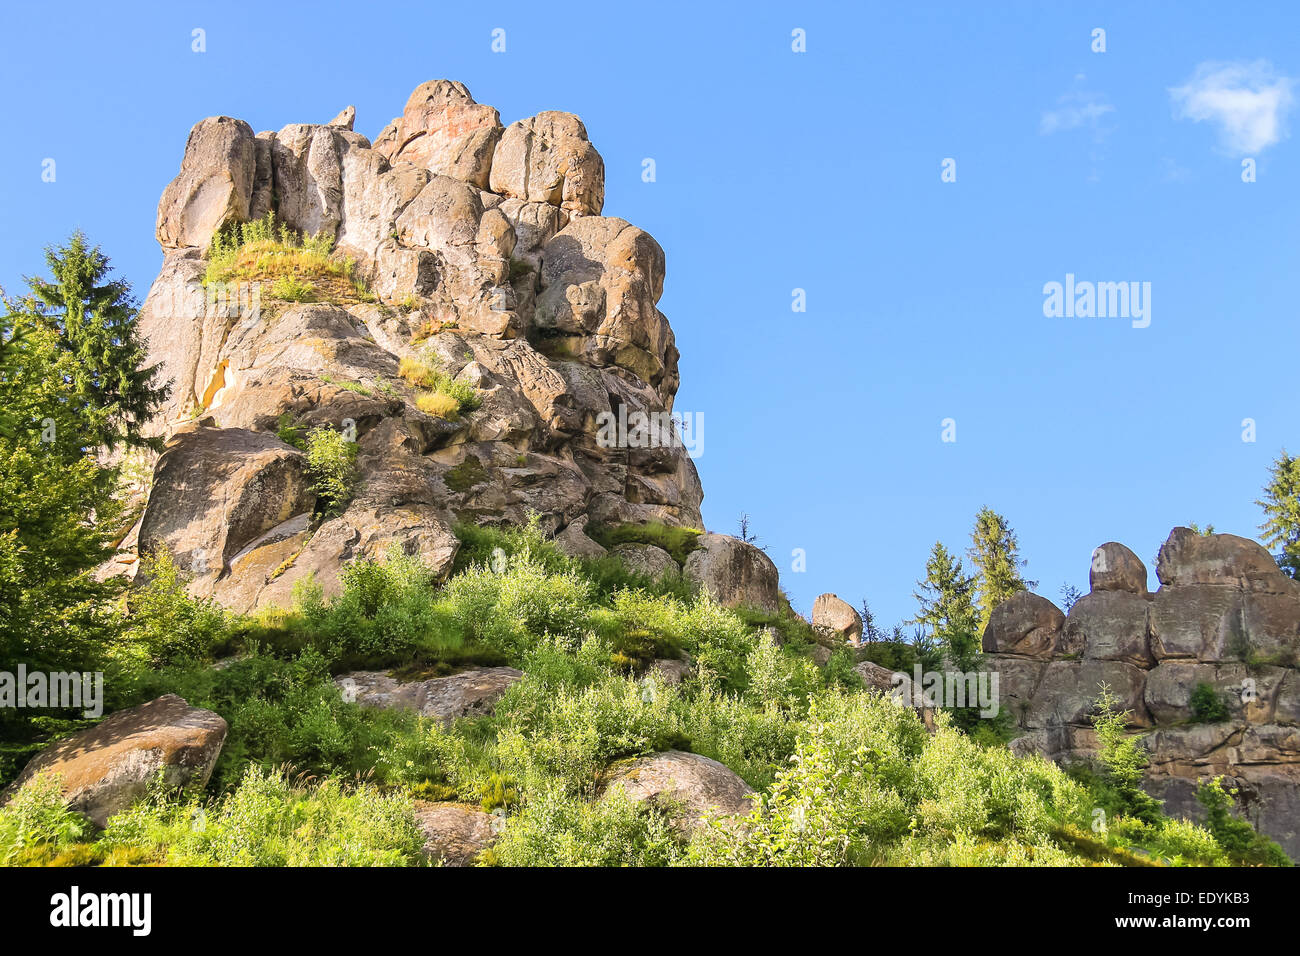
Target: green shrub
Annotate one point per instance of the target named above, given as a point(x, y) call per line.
point(1237, 837)
point(331, 465)
point(269, 821)
point(1207, 705)
point(293, 289)
point(678, 542)
point(37, 822)
point(164, 624)
point(555, 829)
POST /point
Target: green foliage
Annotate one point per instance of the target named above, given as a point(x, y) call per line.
point(270, 821)
point(678, 542)
point(36, 823)
point(995, 552)
point(94, 320)
point(947, 607)
point(331, 464)
point(1120, 754)
point(465, 475)
point(1281, 504)
point(1237, 837)
point(293, 289)
point(1207, 705)
point(265, 249)
point(164, 624)
point(443, 390)
point(556, 829)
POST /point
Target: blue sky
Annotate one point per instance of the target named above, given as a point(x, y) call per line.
point(819, 170)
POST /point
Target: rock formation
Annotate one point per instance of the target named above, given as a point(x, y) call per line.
point(479, 250)
point(104, 769)
point(1224, 617)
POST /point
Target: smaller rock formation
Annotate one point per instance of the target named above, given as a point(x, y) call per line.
point(687, 785)
point(1225, 624)
point(456, 833)
point(734, 573)
point(837, 619)
point(104, 769)
point(471, 693)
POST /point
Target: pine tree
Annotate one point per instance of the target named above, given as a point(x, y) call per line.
point(995, 552)
point(1281, 504)
point(947, 606)
point(94, 317)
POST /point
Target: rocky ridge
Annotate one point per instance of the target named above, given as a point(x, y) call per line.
point(1224, 618)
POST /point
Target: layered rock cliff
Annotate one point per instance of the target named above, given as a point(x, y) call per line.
point(1224, 620)
point(478, 250)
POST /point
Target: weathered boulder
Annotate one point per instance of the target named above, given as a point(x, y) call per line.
point(1216, 560)
point(456, 833)
point(471, 693)
point(215, 184)
point(1201, 621)
point(689, 786)
point(1116, 568)
point(837, 619)
point(734, 572)
point(104, 769)
point(670, 671)
point(574, 542)
point(646, 560)
point(548, 158)
point(444, 131)
point(215, 491)
point(1108, 625)
point(1024, 625)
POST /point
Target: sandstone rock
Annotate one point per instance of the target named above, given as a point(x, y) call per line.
point(1218, 560)
point(670, 672)
point(1201, 621)
point(214, 187)
point(734, 572)
point(456, 833)
point(690, 786)
point(548, 158)
point(471, 693)
point(885, 681)
point(646, 560)
point(215, 491)
point(443, 130)
point(574, 542)
point(346, 117)
point(1116, 568)
point(1024, 625)
point(104, 769)
point(599, 283)
point(1108, 625)
point(1068, 689)
point(837, 619)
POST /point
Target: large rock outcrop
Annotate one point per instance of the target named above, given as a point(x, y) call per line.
point(1223, 628)
point(478, 250)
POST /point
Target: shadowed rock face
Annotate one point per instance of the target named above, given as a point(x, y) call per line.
point(1224, 617)
point(485, 256)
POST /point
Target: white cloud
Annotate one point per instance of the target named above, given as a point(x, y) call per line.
point(1248, 101)
point(1075, 110)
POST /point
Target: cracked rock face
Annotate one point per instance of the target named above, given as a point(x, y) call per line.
point(479, 249)
point(1225, 618)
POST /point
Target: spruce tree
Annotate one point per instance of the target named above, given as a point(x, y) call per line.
point(995, 552)
point(94, 317)
point(1281, 504)
point(947, 606)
